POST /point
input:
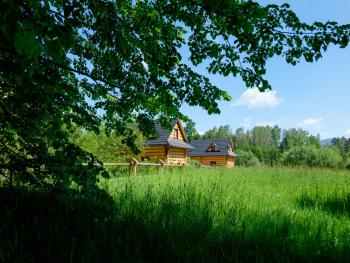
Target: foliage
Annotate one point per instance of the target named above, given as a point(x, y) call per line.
point(313, 157)
point(105, 147)
point(246, 159)
point(347, 163)
point(241, 139)
point(343, 144)
point(191, 131)
point(298, 137)
point(273, 146)
point(66, 63)
point(191, 215)
point(222, 132)
point(192, 162)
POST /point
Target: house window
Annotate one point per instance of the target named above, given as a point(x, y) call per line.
point(176, 134)
point(212, 163)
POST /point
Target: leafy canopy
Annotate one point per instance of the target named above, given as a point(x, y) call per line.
point(66, 63)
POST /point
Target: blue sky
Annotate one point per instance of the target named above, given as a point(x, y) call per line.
point(313, 96)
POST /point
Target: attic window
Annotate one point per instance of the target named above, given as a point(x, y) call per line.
point(176, 134)
point(213, 148)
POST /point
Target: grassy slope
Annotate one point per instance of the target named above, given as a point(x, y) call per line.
point(265, 214)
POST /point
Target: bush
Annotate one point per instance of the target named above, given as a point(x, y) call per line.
point(347, 163)
point(246, 159)
point(192, 162)
point(311, 156)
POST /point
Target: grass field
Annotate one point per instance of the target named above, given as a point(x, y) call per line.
point(203, 215)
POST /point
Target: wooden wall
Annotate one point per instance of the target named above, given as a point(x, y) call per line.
point(168, 155)
point(155, 152)
point(227, 161)
point(231, 161)
point(177, 155)
point(181, 135)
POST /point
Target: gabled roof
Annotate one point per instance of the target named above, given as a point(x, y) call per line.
point(164, 137)
point(201, 147)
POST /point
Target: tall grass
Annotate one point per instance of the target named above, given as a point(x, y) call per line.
point(206, 215)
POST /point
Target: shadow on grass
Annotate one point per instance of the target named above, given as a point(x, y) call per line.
point(335, 205)
point(46, 227)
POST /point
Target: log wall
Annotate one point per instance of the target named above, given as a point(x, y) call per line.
point(155, 152)
point(168, 155)
point(227, 161)
point(177, 155)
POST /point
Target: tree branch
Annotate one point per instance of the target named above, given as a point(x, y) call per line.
point(96, 80)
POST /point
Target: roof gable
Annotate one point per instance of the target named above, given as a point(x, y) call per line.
point(177, 125)
point(165, 136)
point(201, 147)
point(213, 148)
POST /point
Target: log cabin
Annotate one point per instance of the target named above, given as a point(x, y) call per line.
point(213, 152)
point(171, 146)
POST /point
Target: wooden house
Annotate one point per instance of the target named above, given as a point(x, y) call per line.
point(171, 146)
point(214, 152)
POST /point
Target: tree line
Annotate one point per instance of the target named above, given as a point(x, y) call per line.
point(272, 145)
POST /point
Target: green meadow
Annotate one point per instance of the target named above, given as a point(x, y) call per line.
point(185, 215)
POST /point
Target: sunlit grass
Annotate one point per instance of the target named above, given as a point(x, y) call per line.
point(181, 214)
point(260, 209)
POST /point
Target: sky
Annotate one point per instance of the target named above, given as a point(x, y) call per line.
point(312, 96)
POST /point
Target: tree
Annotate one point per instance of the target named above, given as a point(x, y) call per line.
point(342, 144)
point(294, 137)
point(241, 139)
point(106, 148)
point(276, 136)
point(261, 136)
point(210, 134)
point(84, 62)
point(224, 132)
point(190, 130)
point(315, 141)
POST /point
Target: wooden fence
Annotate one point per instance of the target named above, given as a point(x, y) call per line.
point(135, 164)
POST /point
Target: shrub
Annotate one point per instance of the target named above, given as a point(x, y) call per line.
point(347, 162)
point(313, 157)
point(245, 158)
point(193, 162)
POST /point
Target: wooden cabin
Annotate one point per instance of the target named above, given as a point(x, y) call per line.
point(171, 146)
point(214, 152)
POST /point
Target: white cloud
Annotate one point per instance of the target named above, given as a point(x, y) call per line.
point(310, 122)
point(347, 133)
point(200, 133)
point(253, 98)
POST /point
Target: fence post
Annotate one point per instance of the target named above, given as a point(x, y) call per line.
point(161, 167)
point(133, 166)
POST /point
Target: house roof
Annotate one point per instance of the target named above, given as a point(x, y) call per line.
point(200, 148)
point(164, 137)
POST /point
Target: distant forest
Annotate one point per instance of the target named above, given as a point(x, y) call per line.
point(275, 146)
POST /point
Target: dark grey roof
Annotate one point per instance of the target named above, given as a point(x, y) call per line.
point(163, 138)
point(201, 146)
